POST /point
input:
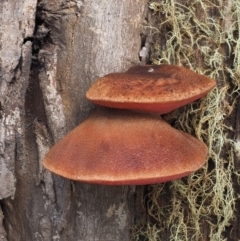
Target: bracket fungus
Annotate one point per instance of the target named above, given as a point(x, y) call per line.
point(150, 88)
point(123, 147)
point(119, 147)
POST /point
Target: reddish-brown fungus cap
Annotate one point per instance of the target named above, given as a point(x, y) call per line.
point(152, 88)
point(118, 147)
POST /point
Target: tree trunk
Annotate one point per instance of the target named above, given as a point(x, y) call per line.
point(50, 53)
point(74, 43)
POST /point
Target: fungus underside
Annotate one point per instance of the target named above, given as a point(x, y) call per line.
point(210, 46)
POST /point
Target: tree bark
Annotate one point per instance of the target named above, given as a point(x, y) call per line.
point(74, 43)
point(50, 53)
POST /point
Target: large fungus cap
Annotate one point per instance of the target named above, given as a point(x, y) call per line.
point(152, 88)
point(118, 147)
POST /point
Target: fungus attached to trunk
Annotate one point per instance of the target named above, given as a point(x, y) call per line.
point(120, 147)
point(151, 88)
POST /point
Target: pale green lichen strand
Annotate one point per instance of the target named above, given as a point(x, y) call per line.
point(208, 43)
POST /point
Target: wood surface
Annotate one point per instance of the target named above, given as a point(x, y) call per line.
point(67, 45)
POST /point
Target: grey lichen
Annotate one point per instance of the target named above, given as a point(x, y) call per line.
point(204, 36)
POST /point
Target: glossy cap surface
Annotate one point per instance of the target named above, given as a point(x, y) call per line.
point(151, 88)
point(119, 147)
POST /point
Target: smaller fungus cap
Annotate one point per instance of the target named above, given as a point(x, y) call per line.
point(150, 88)
point(120, 147)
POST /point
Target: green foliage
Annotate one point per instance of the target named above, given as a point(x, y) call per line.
point(203, 36)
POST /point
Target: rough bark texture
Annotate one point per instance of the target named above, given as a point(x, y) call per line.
point(74, 43)
point(14, 73)
point(50, 53)
point(17, 20)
